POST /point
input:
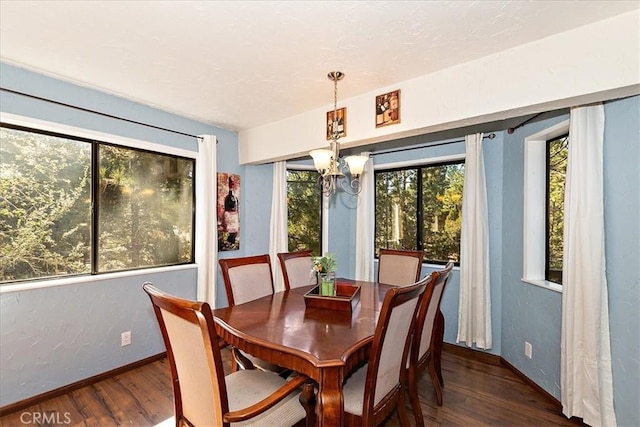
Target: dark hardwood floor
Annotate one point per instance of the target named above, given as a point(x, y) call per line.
point(476, 393)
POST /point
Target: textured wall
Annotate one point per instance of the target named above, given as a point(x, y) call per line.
point(622, 246)
point(51, 337)
point(533, 314)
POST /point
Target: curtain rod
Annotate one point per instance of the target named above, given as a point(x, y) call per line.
point(513, 129)
point(97, 112)
point(490, 136)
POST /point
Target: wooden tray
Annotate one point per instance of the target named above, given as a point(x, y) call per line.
point(346, 298)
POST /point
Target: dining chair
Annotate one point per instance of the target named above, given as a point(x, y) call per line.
point(245, 279)
point(399, 267)
point(372, 392)
point(203, 396)
point(426, 345)
point(296, 269)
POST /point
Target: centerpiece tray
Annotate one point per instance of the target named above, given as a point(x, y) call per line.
point(347, 296)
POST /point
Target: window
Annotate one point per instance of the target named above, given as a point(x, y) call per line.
point(71, 205)
point(420, 208)
point(538, 260)
point(557, 155)
point(304, 207)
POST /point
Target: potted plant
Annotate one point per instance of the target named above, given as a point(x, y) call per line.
point(324, 268)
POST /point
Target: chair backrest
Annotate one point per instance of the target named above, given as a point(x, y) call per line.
point(296, 269)
point(199, 389)
point(399, 267)
point(425, 322)
point(247, 278)
point(390, 348)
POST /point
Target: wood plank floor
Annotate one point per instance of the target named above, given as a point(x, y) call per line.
point(475, 394)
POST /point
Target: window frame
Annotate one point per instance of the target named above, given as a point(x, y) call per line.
point(419, 163)
point(535, 206)
point(95, 137)
point(324, 208)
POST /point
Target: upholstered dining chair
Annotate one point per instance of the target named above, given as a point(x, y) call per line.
point(296, 269)
point(372, 392)
point(245, 279)
point(399, 267)
point(426, 345)
point(203, 396)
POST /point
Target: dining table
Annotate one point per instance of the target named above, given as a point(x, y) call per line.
point(322, 343)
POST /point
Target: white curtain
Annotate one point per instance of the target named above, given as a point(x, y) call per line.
point(206, 246)
point(279, 236)
point(474, 311)
point(586, 379)
point(365, 225)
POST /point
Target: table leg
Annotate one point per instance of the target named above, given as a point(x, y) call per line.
point(330, 401)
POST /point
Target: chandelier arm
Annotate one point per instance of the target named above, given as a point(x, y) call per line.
point(351, 186)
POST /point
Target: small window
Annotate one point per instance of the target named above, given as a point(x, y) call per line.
point(420, 208)
point(542, 222)
point(557, 155)
point(304, 207)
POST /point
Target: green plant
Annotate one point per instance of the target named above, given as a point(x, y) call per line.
point(324, 264)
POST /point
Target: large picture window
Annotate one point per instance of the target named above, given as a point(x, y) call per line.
point(419, 208)
point(304, 211)
point(76, 206)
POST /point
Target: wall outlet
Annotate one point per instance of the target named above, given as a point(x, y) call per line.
point(528, 349)
point(125, 338)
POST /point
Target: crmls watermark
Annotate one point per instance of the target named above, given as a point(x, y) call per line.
point(50, 418)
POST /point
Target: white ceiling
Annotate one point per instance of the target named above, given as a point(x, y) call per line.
point(242, 64)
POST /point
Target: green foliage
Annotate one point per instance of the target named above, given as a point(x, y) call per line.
point(558, 152)
point(397, 210)
point(325, 264)
point(44, 205)
point(304, 200)
point(144, 202)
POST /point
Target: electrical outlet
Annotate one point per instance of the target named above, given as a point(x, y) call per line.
point(125, 338)
point(528, 349)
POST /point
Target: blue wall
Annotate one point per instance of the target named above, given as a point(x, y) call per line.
point(534, 314)
point(54, 336)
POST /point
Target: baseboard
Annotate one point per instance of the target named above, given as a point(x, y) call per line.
point(34, 400)
point(469, 353)
point(556, 403)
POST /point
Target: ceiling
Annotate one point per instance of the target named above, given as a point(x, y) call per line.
point(243, 64)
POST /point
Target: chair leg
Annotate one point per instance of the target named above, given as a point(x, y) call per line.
point(413, 397)
point(308, 401)
point(434, 379)
point(437, 351)
point(239, 361)
point(402, 408)
point(234, 360)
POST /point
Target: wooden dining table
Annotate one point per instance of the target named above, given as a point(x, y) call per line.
point(324, 344)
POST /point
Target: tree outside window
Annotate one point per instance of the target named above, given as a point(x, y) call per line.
point(420, 208)
point(557, 157)
point(304, 207)
point(76, 206)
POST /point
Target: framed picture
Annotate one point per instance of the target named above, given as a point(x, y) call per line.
point(342, 123)
point(228, 208)
point(388, 109)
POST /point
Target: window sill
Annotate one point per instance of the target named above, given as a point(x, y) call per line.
point(63, 281)
point(544, 284)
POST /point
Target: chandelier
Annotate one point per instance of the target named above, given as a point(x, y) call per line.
point(335, 171)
